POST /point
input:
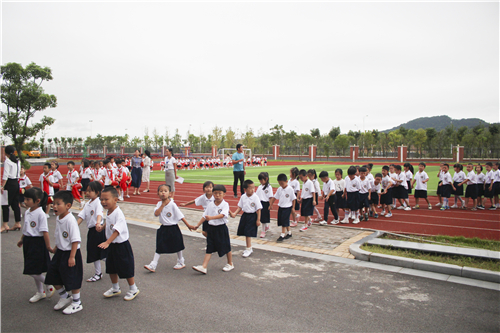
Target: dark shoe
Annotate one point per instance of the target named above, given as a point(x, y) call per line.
point(280, 239)
point(236, 195)
point(366, 217)
point(288, 236)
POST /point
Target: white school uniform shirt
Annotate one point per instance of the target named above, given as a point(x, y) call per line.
point(409, 175)
point(459, 176)
point(471, 176)
point(102, 173)
point(285, 196)
point(489, 177)
point(316, 187)
point(35, 223)
point(91, 211)
point(171, 214)
point(364, 185)
point(116, 222)
point(339, 185)
point(24, 182)
point(295, 185)
point(67, 232)
point(265, 194)
point(169, 163)
point(203, 201)
point(50, 178)
point(72, 178)
point(250, 204)
point(420, 177)
point(109, 176)
point(393, 175)
point(87, 173)
point(370, 177)
point(375, 188)
point(447, 178)
point(328, 186)
point(307, 189)
point(214, 210)
point(496, 176)
point(479, 178)
point(402, 176)
point(57, 176)
point(387, 182)
point(352, 185)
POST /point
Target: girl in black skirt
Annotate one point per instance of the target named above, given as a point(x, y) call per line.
point(168, 236)
point(36, 242)
point(265, 193)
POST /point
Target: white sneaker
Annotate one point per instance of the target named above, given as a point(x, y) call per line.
point(323, 222)
point(400, 207)
point(128, 196)
point(131, 295)
point(335, 222)
point(200, 269)
point(438, 204)
point(247, 253)
point(111, 292)
point(179, 265)
point(356, 221)
point(150, 267)
point(382, 213)
point(345, 220)
point(454, 206)
point(407, 208)
point(304, 228)
point(228, 268)
point(49, 291)
point(38, 296)
point(63, 302)
point(73, 308)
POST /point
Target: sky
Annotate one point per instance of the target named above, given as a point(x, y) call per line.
point(191, 66)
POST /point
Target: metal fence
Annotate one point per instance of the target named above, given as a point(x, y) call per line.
point(430, 153)
point(481, 153)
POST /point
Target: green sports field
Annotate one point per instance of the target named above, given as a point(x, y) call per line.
point(225, 176)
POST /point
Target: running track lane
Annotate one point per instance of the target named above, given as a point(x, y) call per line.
point(483, 224)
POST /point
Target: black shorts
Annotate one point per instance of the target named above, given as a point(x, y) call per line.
point(120, 260)
point(339, 200)
point(496, 188)
point(421, 194)
point(169, 239)
point(297, 204)
point(439, 189)
point(399, 192)
point(218, 240)
point(265, 213)
point(248, 225)
point(408, 182)
point(374, 198)
point(284, 216)
point(307, 208)
point(205, 226)
point(85, 183)
point(446, 190)
point(487, 192)
point(459, 190)
point(21, 198)
point(36, 255)
point(95, 238)
point(471, 191)
point(386, 199)
point(352, 202)
point(479, 190)
point(363, 200)
point(60, 274)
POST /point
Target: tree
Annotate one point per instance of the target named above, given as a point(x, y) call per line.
point(277, 133)
point(24, 97)
point(334, 132)
point(230, 138)
point(147, 138)
point(216, 136)
point(431, 133)
point(342, 142)
point(157, 139)
point(316, 134)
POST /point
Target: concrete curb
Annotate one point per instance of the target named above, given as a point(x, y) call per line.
point(423, 265)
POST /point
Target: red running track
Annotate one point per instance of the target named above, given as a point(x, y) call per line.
point(454, 222)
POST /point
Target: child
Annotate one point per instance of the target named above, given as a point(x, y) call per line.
point(250, 219)
point(400, 190)
point(218, 239)
point(307, 199)
point(311, 174)
point(46, 181)
point(421, 178)
point(488, 184)
point(439, 188)
point(446, 186)
point(168, 236)
point(265, 193)
point(408, 168)
point(496, 183)
point(351, 196)
point(375, 189)
point(458, 180)
point(24, 184)
point(295, 185)
point(364, 194)
point(72, 177)
point(203, 201)
point(392, 174)
point(36, 241)
point(479, 186)
point(87, 176)
point(92, 213)
point(109, 174)
point(286, 197)
point(120, 260)
point(121, 178)
point(386, 194)
point(65, 271)
point(470, 192)
point(329, 196)
point(54, 168)
point(339, 184)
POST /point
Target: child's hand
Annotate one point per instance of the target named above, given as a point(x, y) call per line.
point(183, 204)
point(314, 202)
point(270, 207)
point(71, 262)
point(231, 214)
point(20, 243)
point(258, 223)
point(208, 218)
point(98, 228)
point(103, 245)
point(327, 197)
point(195, 227)
point(440, 184)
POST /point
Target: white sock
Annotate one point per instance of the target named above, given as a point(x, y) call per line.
point(249, 248)
point(116, 286)
point(39, 279)
point(155, 259)
point(62, 293)
point(76, 299)
point(290, 232)
point(180, 258)
point(445, 202)
point(282, 235)
point(97, 266)
point(133, 287)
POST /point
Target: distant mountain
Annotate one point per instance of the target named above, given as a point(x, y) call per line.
point(439, 123)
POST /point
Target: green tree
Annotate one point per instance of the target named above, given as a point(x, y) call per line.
point(216, 137)
point(230, 141)
point(341, 143)
point(277, 133)
point(334, 132)
point(24, 96)
point(315, 133)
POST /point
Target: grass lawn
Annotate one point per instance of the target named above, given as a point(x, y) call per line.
point(225, 176)
point(458, 241)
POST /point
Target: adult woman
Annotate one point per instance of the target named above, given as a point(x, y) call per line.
point(170, 171)
point(146, 170)
point(136, 172)
point(10, 183)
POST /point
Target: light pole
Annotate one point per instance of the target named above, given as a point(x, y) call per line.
point(363, 140)
point(91, 121)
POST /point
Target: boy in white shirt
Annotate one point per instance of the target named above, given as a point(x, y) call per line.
point(351, 195)
point(421, 178)
point(286, 197)
point(307, 199)
point(295, 185)
point(72, 186)
point(250, 220)
point(66, 267)
point(329, 196)
point(400, 190)
point(24, 184)
point(46, 181)
point(375, 189)
point(54, 169)
point(364, 193)
point(386, 194)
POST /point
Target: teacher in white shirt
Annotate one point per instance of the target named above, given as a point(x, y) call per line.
point(10, 183)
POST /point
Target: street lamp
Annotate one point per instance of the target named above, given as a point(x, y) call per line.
point(363, 140)
point(91, 121)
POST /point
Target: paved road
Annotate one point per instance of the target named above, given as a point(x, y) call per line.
point(267, 292)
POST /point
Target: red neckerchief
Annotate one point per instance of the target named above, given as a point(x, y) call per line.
point(110, 174)
point(46, 186)
point(69, 176)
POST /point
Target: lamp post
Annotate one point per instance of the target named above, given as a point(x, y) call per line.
point(91, 121)
point(363, 140)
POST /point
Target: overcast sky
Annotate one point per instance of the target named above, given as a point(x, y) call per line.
point(128, 66)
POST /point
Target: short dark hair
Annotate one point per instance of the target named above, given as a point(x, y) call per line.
point(95, 187)
point(111, 190)
point(86, 163)
point(36, 193)
point(238, 145)
point(378, 175)
point(385, 167)
point(352, 170)
point(446, 165)
point(423, 164)
point(459, 166)
point(161, 185)
point(339, 171)
point(208, 183)
point(479, 165)
point(303, 172)
point(363, 169)
point(247, 183)
point(282, 177)
point(489, 164)
point(323, 174)
point(370, 166)
point(398, 167)
point(221, 188)
point(48, 164)
point(65, 196)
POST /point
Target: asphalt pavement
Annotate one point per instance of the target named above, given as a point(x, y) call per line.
point(269, 291)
